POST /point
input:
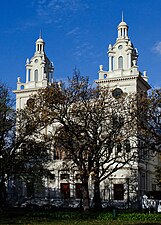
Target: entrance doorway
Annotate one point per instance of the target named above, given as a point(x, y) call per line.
point(118, 192)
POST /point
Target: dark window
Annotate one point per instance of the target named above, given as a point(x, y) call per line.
point(55, 154)
point(64, 176)
point(127, 145)
point(30, 188)
point(117, 92)
point(51, 176)
point(119, 147)
point(30, 102)
point(29, 75)
point(142, 181)
point(118, 192)
point(78, 190)
point(112, 63)
point(65, 190)
point(142, 150)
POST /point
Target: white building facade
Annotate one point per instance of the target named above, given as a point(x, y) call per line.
point(123, 76)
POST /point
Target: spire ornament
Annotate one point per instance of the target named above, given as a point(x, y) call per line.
point(40, 34)
point(122, 16)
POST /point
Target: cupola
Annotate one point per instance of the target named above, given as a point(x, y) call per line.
point(122, 29)
point(40, 44)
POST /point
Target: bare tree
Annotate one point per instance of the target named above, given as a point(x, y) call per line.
point(32, 147)
point(7, 127)
point(96, 130)
point(149, 119)
point(149, 126)
point(24, 155)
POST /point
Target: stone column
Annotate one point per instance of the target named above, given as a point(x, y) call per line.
point(125, 32)
point(42, 72)
point(129, 60)
point(27, 75)
point(110, 63)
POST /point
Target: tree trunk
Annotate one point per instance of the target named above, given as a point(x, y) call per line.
point(3, 194)
point(97, 198)
point(85, 195)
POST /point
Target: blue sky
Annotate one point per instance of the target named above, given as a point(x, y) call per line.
point(77, 33)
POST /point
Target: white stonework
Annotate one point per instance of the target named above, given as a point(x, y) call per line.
point(124, 74)
point(39, 74)
point(123, 70)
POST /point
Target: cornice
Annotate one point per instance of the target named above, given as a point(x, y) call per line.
point(116, 79)
point(26, 90)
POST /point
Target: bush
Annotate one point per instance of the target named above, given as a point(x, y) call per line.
point(105, 216)
point(139, 217)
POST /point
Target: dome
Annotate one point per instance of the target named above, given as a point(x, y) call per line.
point(122, 24)
point(40, 40)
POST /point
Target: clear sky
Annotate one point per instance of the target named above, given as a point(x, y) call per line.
point(77, 33)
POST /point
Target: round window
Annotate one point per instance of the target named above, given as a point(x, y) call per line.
point(30, 103)
point(117, 92)
point(120, 47)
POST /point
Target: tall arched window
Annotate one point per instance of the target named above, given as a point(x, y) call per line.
point(120, 62)
point(22, 87)
point(36, 75)
point(29, 75)
point(112, 63)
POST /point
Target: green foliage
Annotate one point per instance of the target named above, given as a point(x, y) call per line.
point(105, 216)
point(139, 217)
point(76, 217)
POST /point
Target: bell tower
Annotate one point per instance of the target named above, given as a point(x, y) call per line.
point(123, 65)
point(39, 74)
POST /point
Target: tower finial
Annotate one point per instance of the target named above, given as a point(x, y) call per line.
point(122, 16)
point(40, 35)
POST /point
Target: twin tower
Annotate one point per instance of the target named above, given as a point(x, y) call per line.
point(123, 73)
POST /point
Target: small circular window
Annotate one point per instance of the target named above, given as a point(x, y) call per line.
point(120, 47)
point(30, 103)
point(117, 92)
point(36, 60)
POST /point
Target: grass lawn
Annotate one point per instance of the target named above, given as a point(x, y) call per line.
point(76, 218)
point(32, 221)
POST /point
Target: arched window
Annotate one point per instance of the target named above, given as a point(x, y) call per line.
point(120, 62)
point(112, 63)
point(22, 87)
point(29, 75)
point(50, 76)
point(119, 147)
point(36, 75)
point(127, 145)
